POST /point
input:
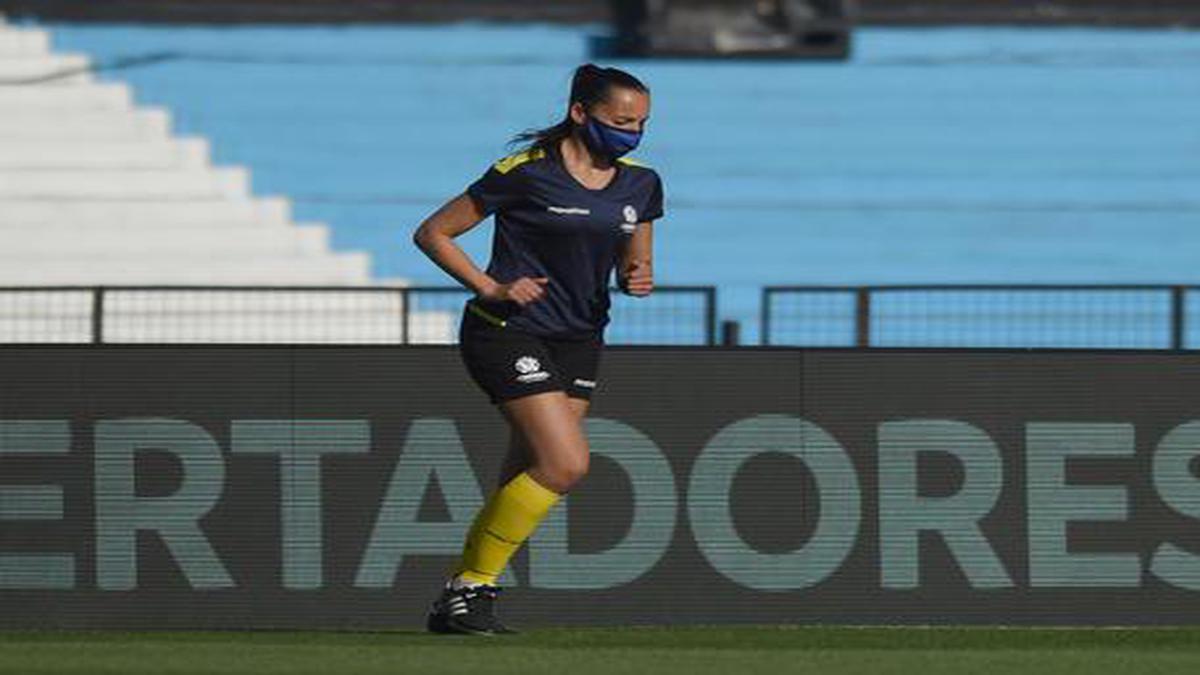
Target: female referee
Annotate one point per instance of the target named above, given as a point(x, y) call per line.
point(568, 208)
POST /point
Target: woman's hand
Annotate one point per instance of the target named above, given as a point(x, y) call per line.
point(638, 279)
point(522, 291)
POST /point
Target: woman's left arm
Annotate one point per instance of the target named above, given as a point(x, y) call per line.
point(636, 274)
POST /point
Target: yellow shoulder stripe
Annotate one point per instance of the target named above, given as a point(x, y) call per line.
point(632, 162)
point(513, 161)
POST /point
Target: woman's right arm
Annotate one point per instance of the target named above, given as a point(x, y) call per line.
point(435, 237)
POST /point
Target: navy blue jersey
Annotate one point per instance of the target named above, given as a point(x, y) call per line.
point(549, 225)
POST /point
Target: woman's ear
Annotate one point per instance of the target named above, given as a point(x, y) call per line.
point(577, 113)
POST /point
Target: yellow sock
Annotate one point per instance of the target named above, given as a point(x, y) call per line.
point(510, 515)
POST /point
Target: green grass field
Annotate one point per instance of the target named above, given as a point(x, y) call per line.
point(758, 650)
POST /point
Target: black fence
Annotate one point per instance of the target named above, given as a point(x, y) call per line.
point(954, 316)
point(985, 316)
point(676, 315)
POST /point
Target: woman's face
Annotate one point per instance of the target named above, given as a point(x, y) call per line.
point(624, 108)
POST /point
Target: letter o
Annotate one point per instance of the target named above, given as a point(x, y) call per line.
point(712, 520)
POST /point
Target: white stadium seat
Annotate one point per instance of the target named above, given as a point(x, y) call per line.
point(96, 191)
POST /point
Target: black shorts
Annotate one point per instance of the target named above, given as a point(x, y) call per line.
point(508, 363)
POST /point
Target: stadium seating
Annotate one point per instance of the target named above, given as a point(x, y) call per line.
point(97, 191)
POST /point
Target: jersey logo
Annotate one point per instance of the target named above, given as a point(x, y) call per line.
point(630, 214)
point(569, 210)
point(513, 161)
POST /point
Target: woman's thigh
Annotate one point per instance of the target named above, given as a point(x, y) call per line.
point(555, 445)
point(518, 457)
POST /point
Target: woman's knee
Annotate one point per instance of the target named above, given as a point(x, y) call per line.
point(576, 468)
point(564, 472)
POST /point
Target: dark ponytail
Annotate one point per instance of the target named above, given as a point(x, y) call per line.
point(590, 85)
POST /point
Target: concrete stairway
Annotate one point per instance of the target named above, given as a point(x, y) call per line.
point(95, 191)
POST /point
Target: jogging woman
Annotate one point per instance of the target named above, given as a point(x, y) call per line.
point(568, 209)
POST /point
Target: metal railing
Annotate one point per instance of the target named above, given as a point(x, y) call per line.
point(1128, 316)
point(309, 314)
point(962, 316)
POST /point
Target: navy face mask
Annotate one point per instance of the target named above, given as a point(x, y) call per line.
point(609, 141)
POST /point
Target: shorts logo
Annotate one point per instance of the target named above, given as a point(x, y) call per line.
point(630, 223)
point(530, 370)
point(590, 384)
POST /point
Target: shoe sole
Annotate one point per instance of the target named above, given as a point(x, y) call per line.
point(443, 626)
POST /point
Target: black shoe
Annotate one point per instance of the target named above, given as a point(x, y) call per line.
point(468, 610)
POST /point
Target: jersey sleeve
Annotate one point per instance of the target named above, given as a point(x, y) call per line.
point(654, 203)
point(494, 190)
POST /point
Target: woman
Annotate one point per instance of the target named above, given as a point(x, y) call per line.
point(568, 209)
